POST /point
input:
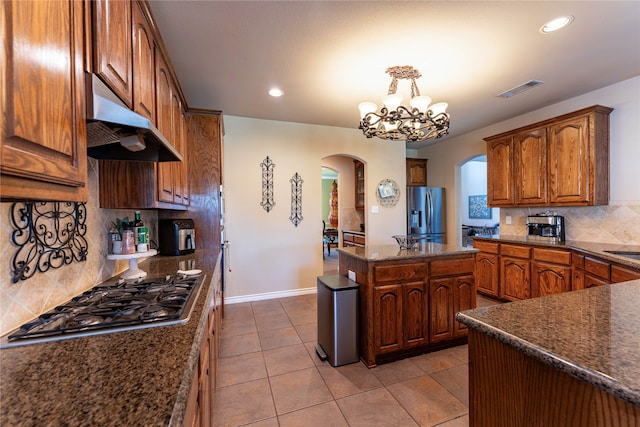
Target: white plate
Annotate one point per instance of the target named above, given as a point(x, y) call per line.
point(190, 272)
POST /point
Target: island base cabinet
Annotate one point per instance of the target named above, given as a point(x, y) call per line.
point(508, 388)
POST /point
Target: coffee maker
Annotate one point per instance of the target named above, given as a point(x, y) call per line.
point(545, 227)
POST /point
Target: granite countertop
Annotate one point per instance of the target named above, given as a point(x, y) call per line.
point(598, 249)
point(138, 377)
point(591, 334)
point(391, 252)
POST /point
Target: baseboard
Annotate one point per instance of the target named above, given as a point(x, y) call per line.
point(269, 295)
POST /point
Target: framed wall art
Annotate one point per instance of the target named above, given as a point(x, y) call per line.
point(478, 208)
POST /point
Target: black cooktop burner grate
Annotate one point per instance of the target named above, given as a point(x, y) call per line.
point(116, 306)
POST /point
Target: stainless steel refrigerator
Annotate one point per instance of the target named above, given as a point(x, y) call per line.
point(426, 213)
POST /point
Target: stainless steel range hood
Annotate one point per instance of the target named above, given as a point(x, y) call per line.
point(114, 132)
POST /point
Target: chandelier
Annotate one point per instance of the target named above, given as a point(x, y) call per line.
point(419, 122)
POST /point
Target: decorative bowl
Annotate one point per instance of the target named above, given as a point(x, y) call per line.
point(407, 241)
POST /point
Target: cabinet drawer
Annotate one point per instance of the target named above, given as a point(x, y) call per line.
point(554, 256)
point(358, 239)
point(449, 267)
point(515, 251)
point(399, 272)
point(622, 274)
point(484, 246)
point(597, 267)
point(577, 260)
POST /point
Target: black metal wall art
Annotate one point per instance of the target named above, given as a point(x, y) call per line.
point(267, 184)
point(48, 235)
point(296, 199)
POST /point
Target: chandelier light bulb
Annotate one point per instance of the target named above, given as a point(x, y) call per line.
point(393, 101)
point(421, 103)
point(366, 108)
point(390, 126)
point(438, 108)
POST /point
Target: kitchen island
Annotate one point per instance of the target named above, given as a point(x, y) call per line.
point(408, 298)
point(568, 359)
point(142, 377)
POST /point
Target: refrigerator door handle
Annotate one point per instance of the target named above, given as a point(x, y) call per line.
point(429, 211)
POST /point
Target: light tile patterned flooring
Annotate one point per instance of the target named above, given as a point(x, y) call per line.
point(269, 374)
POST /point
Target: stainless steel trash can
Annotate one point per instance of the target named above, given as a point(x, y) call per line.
point(338, 323)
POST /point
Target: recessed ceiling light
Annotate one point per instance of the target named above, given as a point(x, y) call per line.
point(556, 24)
point(275, 92)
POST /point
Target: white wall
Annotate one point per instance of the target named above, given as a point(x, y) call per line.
point(269, 256)
point(474, 182)
point(624, 181)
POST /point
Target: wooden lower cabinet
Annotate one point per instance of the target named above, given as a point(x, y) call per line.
point(199, 412)
point(408, 306)
point(549, 279)
point(488, 274)
point(388, 318)
point(515, 276)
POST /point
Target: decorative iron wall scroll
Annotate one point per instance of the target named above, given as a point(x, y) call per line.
point(267, 184)
point(296, 199)
point(48, 235)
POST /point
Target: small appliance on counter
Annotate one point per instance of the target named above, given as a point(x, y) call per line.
point(545, 226)
point(176, 236)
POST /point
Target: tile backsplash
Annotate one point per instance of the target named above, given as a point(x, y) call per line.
point(617, 223)
point(22, 301)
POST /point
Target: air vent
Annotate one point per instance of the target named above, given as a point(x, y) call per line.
point(520, 88)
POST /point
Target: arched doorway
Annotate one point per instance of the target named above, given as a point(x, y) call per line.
point(475, 217)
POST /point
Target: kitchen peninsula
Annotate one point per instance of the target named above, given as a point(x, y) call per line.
point(568, 359)
point(408, 298)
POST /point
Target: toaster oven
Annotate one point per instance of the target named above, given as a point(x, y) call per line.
point(176, 236)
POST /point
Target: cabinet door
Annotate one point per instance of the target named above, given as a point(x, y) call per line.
point(568, 160)
point(464, 299)
point(414, 306)
point(591, 281)
point(549, 279)
point(487, 274)
point(359, 184)
point(515, 278)
point(388, 318)
point(500, 172)
point(416, 172)
point(112, 46)
point(178, 169)
point(530, 172)
point(144, 90)
point(164, 104)
point(441, 306)
point(43, 149)
point(577, 279)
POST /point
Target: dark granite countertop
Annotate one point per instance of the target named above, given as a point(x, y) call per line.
point(591, 334)
point(140, 377)
point(391, 252)
point(598, 249)
point(358, 232)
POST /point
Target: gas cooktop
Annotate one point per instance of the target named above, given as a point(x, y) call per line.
point(114, 307)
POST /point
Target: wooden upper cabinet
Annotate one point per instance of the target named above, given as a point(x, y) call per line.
point(530, 171)
point(563, 161)
point(113, 47)
point(359, 184)
point(164, 124)
point(43, 150)
point(417, 172)
point(578, 159)
point(144, 90)
point(500, 172)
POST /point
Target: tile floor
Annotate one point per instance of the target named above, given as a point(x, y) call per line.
point(269, 374)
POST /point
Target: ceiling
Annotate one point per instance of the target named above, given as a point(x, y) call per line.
point(328, 56)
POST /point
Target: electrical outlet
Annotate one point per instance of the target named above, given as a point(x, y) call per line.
point(374, 209)
point(352, 275)
point(508, 219)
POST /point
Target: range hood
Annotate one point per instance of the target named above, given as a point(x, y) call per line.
point(114, 132)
